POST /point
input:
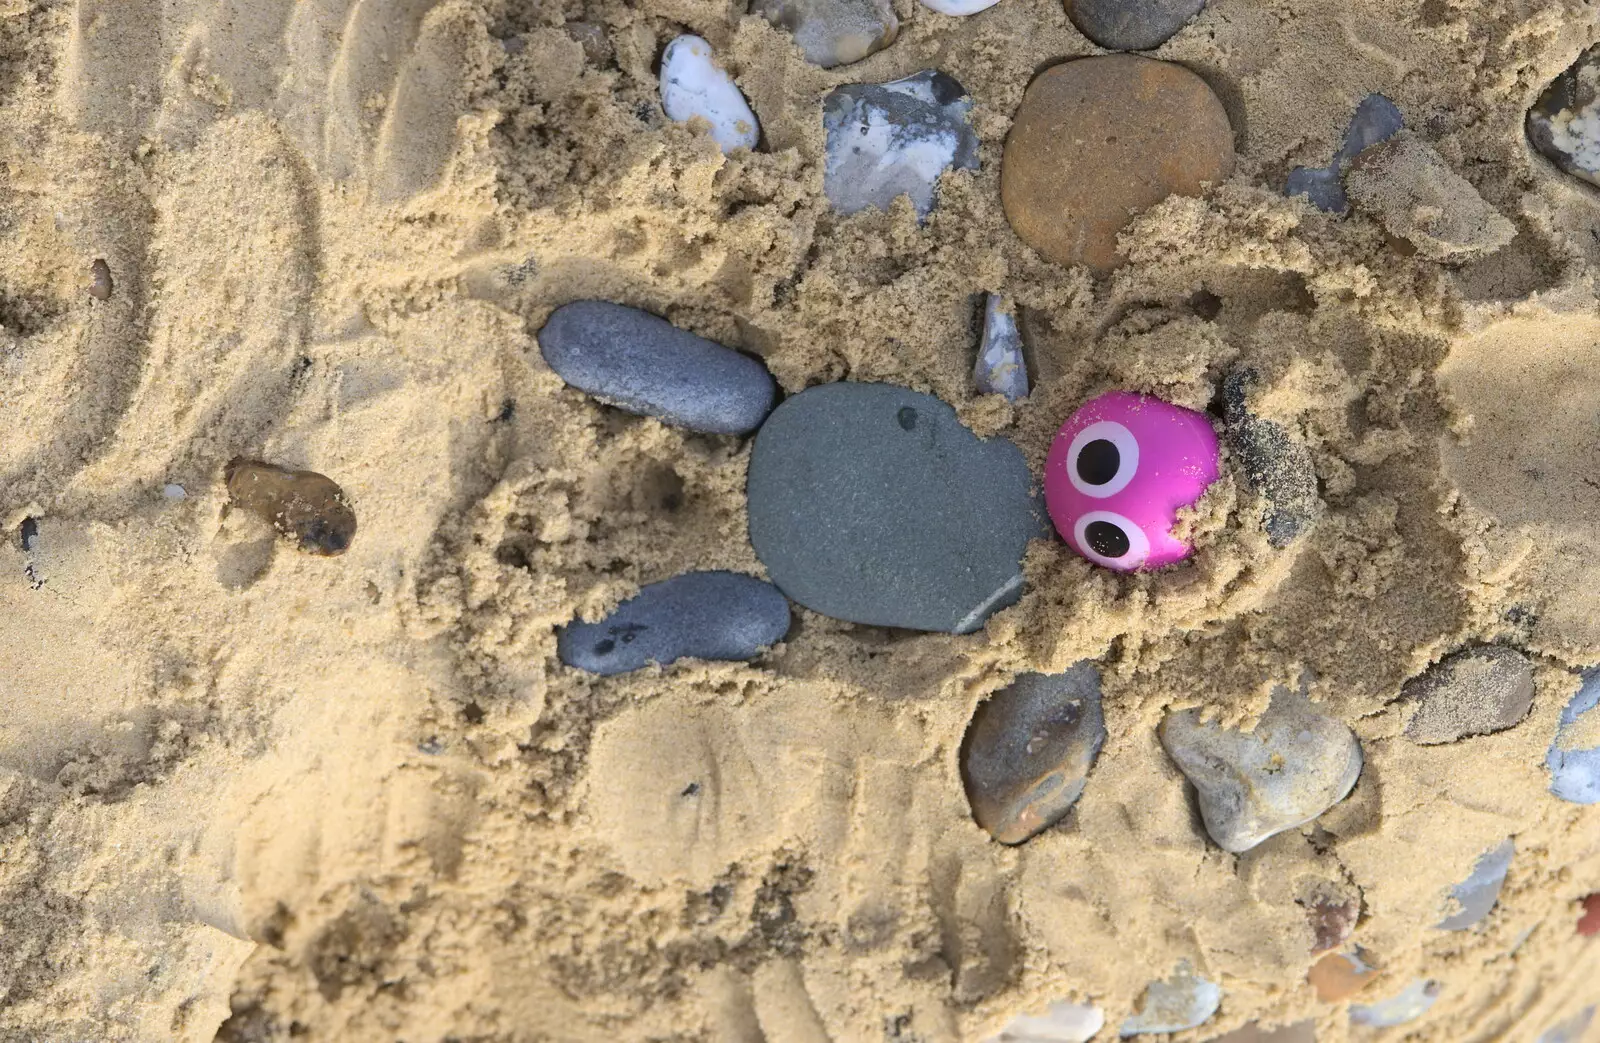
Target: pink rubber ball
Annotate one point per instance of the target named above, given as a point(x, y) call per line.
point(1119, 470)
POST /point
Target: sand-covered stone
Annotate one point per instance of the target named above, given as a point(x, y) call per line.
point(1416, 195)
point(1099, 139)
point(1028, 751)
point(1476, 896)
point(833, 32)
point(1131, 25)
point(1574, 757)
point(887, 140)
point(1478, 691)
point(1376, 119)
point(308, 508)
point(1182, 1001)
point(1276, 465)
point(694, 86)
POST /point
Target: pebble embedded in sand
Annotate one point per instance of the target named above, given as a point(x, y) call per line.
point(643, 364)
point(699, 615)
point(1275, 464)
point(1338, 976)
point(1573, 763)
point(1131, 25)
point(1571, 1030)
point(1478, 691)
point(1299, 1032)
point(1564, 125)
point(1476, 896)
point(1001, 368)
point(1060, 1023)
point(305, 506)
point(874, 504)
point(1332, 920)
point(693, 85)
point(1413, 192)
point(101, 284)
point(1029, 749)
point(1097, 139)
point(1408, 1004)
point(1182, 1001)
point(1376, 119)
point(833, 32)
point(1589, 922)
point(959, 8)
point(1295, 764)
point(886, 140)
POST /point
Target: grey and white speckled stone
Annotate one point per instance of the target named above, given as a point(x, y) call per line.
point(1002, 368)
point(1132, 25)
point(1564, 125)
point(1295, 765)
point(1475, 896)
point(1029, 749)
point(874, 504)
point(886, 140)
point(701, 615)
point(833, 32)
point(1478, 691)
point(1376, 120)
point(1275, 464)
point(1575, 770)
point(1183, 1001)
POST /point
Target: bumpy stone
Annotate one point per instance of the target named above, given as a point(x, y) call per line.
point(1002, 368)
point(643, 364)
point(833, 32)
point(700, 615)
point(1275, 464)
point(873, 504)
point(1476, 895)
point(1029, 749)
point(1131, 25)
point(693, 85)
point(1408, 1004)
point(1060, 1023)
point(1413, 192)
point(1376, 120)
point(1565, 123)
point(304, 506)
point(1100, 138)
point(1295, 765)
point(1574, 757)
point(886, 140)
point(1478, 691)
point(1173, 1004)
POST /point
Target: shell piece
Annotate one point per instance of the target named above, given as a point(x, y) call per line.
point(959, 8)
point(1001, 368)
point(1476, 895)
point(692, 84)
point(1573, 764)
point(1408, 1004)
point(307, 507)
point(1181, 1001)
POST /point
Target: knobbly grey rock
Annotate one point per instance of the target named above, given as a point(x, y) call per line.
point(1029, 749)
point(693, 85)
point(873, 504)
point(887, 140)
point(1415, 194)
point(1476, 895)
point(1275, 464)
point(1571, 1030)
point(1478, 691)
point(1408, 1004)
point(833, 32)
point(1376, 120)
point(1060, 1023)
point(1001, 368)
point(1295, 765)
point(701, 615)
point(643, 364)
point(1574, 767)
point(1565, 123)
point(1183, 1001)
point(1131, 25)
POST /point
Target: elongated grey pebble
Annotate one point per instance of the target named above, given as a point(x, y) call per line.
point(1001, 368)
point(1275, 464)
point(1029, 749)
point(1574, 770)
point(833, 32)
point(1478, 691)
point(886, 140)
point(643, 364)
point(1183, 1001)
point(1131, 25)
point(700, 615)
point(1376, 120)
point(1408, 1004)
point(1296, 764)
point(1477, 894)
point(693, 85)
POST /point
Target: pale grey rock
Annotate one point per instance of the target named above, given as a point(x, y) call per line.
point(1477, 691)
point(833, 32)
point(1183, 1001)
point(1476, 896)
point(1001, 368)
point(1571, 1030)
point(1376, 119)
point(1575, 771)
point(1407, 1005)
point(886, 140)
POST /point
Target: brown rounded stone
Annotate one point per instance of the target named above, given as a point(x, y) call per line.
point(1337, 977)
point(1099, 139)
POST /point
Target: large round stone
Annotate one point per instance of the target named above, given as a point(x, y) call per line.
point(1099, 139)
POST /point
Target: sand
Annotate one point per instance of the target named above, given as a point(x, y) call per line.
point(248, 794)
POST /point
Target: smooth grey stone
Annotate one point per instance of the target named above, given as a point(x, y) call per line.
point(1476, 895)
point(1575, 772)
point(1408, 1004)
point(1029, 749)
point(1376, 120)
point(1182, 1001)
point(635, 361)
point(1295, 765)
point(1132, 25)
point(833, 32)
point(1478, 691)
point(1002, 369)
point(872, 503)
point(1275, 464)
point(887, 140)
point(1564, 125)
point(703, 615)
point(1571, 1030)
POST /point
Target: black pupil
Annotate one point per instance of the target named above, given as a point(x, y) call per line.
point(1106, 539)
point(1098, 462)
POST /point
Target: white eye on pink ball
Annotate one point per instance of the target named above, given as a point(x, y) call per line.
point(1119, 471)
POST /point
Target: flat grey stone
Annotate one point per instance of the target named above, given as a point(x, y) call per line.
point(886, 140)
point(1029, 749)
point(1574, 770)
point(1376, 119)
point(1564, 125)
point(833, 32)
point(1478, 691)
point(1275, 464)
point(872, 503)
point(1295, 765)
point(1002, 369)
point(1183, 1001)
point(700, 615)
point(1131, 25)
point(1476, 895)
point(641, 363)
point(1408, 1004)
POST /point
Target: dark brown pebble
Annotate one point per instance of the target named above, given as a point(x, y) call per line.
point(307, 507)
point(100, 281)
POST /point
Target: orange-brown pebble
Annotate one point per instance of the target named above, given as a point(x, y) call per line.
point(1337, 977)
point(307, 507)
point(1589, 924)
point(1099, 139)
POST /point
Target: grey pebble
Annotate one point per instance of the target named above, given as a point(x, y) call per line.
point(1029, 749)
point(1574, 770)
point(643, 364)
point(703, 615)
point(1408, 1004)
point(833, 32)
point(1478, 691)
point(886, 140)
point(1571, 1030)
point(1295, 765)
point(872, 503)
point(1376, 119)
point(1564, 125)
point(1276, 465)
point(1131, 25)
point(1182, 1001)
point(1477, 894)
point(1002, 369)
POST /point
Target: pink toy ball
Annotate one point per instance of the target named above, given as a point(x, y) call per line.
point(1118, 472)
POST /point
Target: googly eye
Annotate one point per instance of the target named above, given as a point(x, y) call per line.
point(1102, 459)
point(1107, 538)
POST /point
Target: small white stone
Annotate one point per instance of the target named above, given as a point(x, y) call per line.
point(1001, 369)
point(173, 491)
point(693, 85)
point(1408, 1004)
point(958, 8)
point(1060, 1023)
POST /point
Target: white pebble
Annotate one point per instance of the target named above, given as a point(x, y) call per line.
point(693, 85)
point(174, 491)
point(960, 7)
point(1060, 1023)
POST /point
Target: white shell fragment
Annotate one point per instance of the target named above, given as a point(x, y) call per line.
point(693, 85)
point(1001, 369)
point(1060, 1023)
point(959, 8)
